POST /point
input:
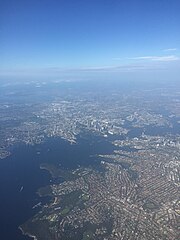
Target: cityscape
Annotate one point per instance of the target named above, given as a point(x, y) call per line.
point(132, 192)
point(90, 120)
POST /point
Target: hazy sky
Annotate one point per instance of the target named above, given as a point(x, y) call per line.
point(76, 38)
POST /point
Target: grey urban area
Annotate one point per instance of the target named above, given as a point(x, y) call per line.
point(134, 191)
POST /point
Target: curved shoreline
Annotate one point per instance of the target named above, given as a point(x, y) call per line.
point(28, 234)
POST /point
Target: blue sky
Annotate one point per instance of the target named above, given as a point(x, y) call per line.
point(79, 38)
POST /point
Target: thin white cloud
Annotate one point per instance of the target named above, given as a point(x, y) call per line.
point(168, 58)
point(119, 68)
point(170, 49)
point(58, 71)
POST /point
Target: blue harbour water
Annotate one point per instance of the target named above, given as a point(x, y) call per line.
point(21, 169)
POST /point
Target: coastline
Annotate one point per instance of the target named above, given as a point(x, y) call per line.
point(27, 234)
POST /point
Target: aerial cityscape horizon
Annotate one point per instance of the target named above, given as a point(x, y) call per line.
point(90, 119)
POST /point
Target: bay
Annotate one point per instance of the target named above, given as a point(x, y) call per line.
point(21, 176)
